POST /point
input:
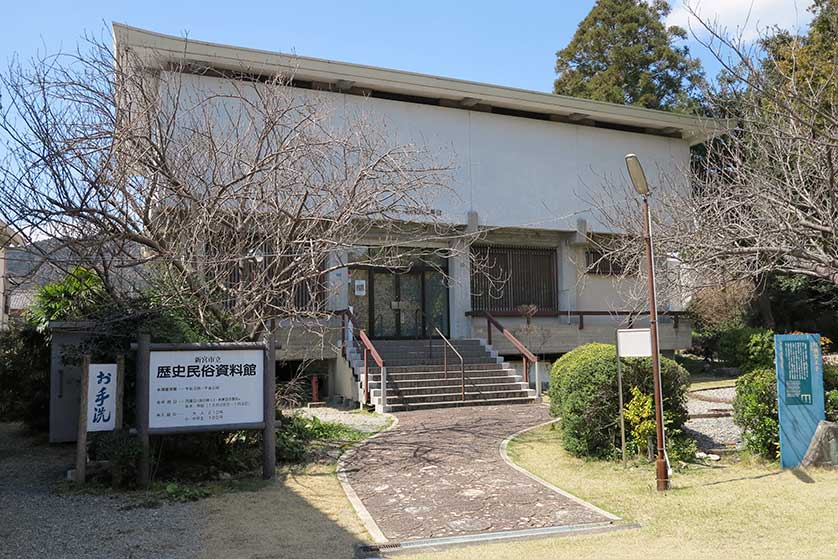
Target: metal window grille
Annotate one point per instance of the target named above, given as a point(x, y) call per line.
point(512, 277)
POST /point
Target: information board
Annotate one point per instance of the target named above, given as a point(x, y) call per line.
point(197, 389)
point(800, 395)
point(634, 342)
point(101, 397)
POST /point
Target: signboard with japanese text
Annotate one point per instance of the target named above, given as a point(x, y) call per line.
point(101, 397)
point(800, 395)
point(198, 389)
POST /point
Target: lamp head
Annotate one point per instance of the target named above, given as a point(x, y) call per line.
point(638, 177)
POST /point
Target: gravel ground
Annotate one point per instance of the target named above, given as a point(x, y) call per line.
point(35, 521)
point(715, 432)
point(303, 516)
point(697, 404)
point(365, 422)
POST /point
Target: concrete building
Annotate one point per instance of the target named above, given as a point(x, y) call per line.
point(524, 162)
point(8, 240)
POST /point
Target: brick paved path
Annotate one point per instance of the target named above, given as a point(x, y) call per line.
point(439, 474)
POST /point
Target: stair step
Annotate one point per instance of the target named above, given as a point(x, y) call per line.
point(438, 375)
point(401, 369)
point(415, 406)
point(411, 392)
point(449, 396)
point(451, 381)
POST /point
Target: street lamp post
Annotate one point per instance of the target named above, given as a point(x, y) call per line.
point(638, 179)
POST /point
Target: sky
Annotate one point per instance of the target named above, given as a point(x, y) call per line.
point(504, 43)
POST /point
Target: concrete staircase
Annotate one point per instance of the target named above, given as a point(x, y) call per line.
point(416, 379)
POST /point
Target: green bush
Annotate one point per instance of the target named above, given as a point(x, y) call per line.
point(297, 433)
point(830, 377)
point(760, 351)
point(831, 404)
point(583, 392)
point(24, 377)
point(755, 411)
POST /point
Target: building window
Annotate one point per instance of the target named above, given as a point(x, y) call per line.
point(598, 263)
point(514, 279)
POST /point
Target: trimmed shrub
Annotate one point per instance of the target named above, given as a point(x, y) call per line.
point(583, 392)
point(755, 412)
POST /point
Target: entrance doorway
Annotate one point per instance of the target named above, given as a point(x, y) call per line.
point(407, 304)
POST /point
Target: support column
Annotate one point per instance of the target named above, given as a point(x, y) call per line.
point(337, 283)
point(459, 290)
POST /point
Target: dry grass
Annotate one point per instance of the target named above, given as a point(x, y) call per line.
point(707, 382)
point(304, 515)
point(746, 509)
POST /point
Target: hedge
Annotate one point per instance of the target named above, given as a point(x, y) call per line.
point(583, 393)
point(755, 408)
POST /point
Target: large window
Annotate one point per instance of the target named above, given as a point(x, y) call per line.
point(507, 279)
point(596, 262)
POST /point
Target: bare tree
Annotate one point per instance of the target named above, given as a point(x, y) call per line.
point(232, 195)
point(762, 198)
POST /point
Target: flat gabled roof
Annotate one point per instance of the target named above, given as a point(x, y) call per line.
point(411, 86)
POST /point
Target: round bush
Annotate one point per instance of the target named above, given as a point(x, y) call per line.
point(583, 392)
point(755, 411)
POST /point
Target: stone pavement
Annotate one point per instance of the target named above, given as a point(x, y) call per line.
point(439, 473)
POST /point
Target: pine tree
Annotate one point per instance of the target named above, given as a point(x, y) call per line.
point(623, 53)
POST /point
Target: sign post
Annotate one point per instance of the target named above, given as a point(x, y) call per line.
point(98, 406)
point(634, 342)
point(800, 394)
point(81, 440)
point(191, 388)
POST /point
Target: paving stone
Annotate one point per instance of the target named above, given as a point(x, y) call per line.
point(439, 474)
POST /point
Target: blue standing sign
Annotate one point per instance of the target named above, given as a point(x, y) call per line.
point(800, 395)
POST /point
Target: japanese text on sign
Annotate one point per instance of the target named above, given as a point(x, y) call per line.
point(101, 397)
point(205, 388)
point(798, 377)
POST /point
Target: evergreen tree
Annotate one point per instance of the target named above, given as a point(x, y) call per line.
point(623, 53)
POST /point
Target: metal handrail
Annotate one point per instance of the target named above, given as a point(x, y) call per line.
point(369, 349)
point(527, 355)
point(445, 363)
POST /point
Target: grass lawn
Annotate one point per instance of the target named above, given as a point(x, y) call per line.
point(725, 510)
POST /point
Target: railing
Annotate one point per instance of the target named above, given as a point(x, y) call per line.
point(445, 363)
point(633, 315)
point(348, 318)
point(527, 355)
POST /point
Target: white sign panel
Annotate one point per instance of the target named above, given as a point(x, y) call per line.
point(199, 388)
point(360, 288)
point(636, 342)
point(101, 397)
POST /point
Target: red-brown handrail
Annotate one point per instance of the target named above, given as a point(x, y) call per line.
point(445, 362)
point(527, 355)
point(369, 349)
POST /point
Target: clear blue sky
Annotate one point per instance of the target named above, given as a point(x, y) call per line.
point(505, 43)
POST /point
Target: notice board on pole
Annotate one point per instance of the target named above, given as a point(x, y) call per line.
point(634, 342)
point(800, 396)
point(205, 389)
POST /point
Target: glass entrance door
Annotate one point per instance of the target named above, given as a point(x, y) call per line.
point(408, 304)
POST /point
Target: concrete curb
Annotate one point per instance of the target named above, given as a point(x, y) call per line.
point(362, 512)
point(503, 454)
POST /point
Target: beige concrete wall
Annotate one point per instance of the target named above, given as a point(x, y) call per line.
point(555, 335)
point(343, 383)
point(308, 339)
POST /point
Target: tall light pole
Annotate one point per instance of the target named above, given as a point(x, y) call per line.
point(638, 179)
